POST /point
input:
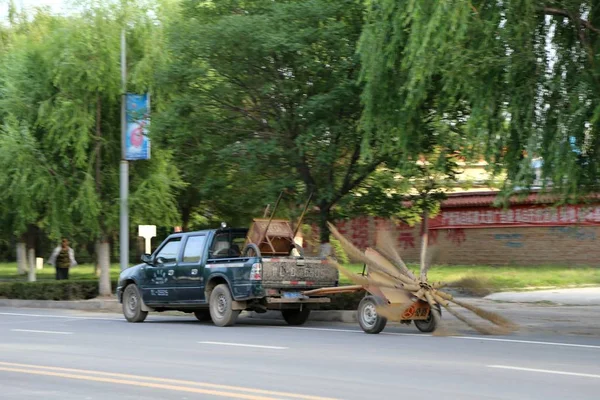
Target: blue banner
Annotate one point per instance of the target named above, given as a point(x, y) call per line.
point(137, 142)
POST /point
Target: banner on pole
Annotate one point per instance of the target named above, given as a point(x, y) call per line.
point(137, 142)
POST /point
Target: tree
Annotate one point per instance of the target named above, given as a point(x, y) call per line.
point(67, 106)
point(33, 192)
point(278, 86)
point(521, 77)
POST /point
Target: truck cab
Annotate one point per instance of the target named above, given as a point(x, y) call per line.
point(216, 274)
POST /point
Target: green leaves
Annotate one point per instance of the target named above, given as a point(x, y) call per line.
point(27, 179)
point(517, 80)
point(266, 98)
point(60, 96)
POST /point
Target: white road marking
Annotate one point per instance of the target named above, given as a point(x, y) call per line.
point(60, 316)
point(35, 331)
point(585, 346)
point(544, 371)
point(246, 345)
point(350, 331)
point(487, 339)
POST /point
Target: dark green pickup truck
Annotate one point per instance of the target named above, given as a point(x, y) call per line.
point(213, 275)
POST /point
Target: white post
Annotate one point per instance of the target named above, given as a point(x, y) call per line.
point(147, 232)
point(39, 263)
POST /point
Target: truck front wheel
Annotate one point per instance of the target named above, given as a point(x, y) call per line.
point(220, 306)
point(132, 304)
point(296, 317)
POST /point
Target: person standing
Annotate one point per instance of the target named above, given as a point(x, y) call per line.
point(63, 258)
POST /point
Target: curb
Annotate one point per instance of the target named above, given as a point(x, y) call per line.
point(114, 306)
point(82, 305)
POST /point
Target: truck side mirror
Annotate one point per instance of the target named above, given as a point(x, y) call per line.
point(147, 258)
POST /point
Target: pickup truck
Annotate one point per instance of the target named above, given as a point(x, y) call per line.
point(215, 275)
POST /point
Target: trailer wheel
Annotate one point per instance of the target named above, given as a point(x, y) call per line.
point(368, 319)
point(428, 325)
point(296, 317)
point(220, 306)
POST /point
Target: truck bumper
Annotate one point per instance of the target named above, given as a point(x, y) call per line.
point(120, 294)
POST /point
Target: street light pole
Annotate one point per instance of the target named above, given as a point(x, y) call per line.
point(124, 168)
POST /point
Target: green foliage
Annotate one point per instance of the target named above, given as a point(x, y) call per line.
point(27, 181)
point(514, 80)
point(60, 96)
point(267, 97)
point(339, 251)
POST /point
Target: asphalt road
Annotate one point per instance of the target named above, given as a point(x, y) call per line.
point(52, 354)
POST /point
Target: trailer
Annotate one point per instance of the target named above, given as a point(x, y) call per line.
point(413, 308)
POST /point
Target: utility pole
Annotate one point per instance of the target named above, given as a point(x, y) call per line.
point(124, 168)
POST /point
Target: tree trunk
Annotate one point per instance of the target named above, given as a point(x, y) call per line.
point(30, 241)
point(103, 247)
point(424, 239)
point(21, 258)
point(31, 264)
point(185, 219)
point(324, 230)
point(96, 264)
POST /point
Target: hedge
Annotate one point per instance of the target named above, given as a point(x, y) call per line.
point(51, 290)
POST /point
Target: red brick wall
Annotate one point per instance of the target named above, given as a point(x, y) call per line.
point(544, 245)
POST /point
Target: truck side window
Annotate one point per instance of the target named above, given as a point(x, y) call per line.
point(193, 249)
point(170, 250)
point(220, 246)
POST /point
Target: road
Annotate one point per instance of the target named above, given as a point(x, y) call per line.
point(55, 354)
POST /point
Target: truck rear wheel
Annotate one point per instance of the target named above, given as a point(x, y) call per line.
point(296, 317)
point(132, 304)
point(368, 319)
point(220, 306)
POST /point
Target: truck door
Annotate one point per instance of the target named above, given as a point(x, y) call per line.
point(190, 270)
point(159, 284)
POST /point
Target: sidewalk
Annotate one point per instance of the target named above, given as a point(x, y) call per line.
point(567, 297)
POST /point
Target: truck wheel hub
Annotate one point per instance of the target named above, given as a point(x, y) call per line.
point(221, 304)
point(369, 314)
point(132, 302)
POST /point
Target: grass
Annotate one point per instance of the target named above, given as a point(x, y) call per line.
point(497, 279)
point(8, 272)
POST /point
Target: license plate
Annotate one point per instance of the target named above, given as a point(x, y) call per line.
point(417, 311)
point(291, 295)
